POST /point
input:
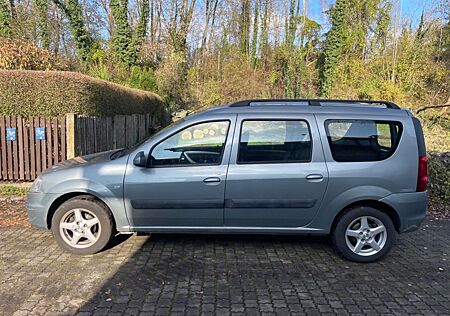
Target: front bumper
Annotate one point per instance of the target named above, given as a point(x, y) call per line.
point(411, 209)
point(38, 205)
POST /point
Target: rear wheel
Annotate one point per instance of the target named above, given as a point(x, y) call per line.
point(82, 225)
point(363, 234)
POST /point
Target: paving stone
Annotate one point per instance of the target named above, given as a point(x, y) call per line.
point(223, 275)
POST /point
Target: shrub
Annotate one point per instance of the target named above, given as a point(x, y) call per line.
point(18, 54)
point(439, 179)
point(52, 93)
point(143, 78)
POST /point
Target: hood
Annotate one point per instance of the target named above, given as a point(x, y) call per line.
point(84, 160)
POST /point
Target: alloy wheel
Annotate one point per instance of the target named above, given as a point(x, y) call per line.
point(80, 228)
point(366, 236)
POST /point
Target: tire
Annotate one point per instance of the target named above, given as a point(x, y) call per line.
point(363, 234)
point(82, 225)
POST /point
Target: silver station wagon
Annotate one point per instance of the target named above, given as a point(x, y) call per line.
point(355, 170)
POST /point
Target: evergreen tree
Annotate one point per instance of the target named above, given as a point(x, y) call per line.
point(333, 45)
point(126, 42)
point(5, 19)
point(42, 22)
point(291, 26)
point(122, 33)
point(73, 12)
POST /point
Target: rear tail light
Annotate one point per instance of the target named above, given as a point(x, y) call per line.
point(422, 177)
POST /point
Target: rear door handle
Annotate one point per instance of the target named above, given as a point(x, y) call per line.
point(314, 177)
point(211, 180)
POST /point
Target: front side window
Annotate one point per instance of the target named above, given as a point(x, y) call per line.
point(276, 141)
point(362, 140)
point(200, 144)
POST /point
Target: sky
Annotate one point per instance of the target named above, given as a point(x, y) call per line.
point(411, 9)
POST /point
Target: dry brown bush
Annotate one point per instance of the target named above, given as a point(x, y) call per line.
point(19, 54)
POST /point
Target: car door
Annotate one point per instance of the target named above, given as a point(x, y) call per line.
point(277, 175)
point(184, 183)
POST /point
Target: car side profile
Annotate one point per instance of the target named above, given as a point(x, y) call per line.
point(355, 170)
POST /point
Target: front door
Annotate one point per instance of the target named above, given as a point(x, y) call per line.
point(184, 184)
point(277, 175)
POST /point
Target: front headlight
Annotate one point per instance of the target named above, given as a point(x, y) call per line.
point(36, 187)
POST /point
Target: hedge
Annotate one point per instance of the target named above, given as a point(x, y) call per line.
point(52, 93)
point(439, 182)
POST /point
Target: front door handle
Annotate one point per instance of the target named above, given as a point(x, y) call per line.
point(211, 180)
point(314, 177)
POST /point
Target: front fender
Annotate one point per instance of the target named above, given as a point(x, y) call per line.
point(111, 195)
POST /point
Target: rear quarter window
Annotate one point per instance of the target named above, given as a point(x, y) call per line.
point(362, 140)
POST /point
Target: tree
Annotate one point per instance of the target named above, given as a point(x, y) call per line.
point(122, 33)
point(179, 24)
point(244, 27)
point(74, 14)
point(42, 22)
point(255, 34)
point(210, 17)
point(333, 45)
point(5, 19)
point(264, 29)
point(140, 32)
point(291, 26)
point(127, 42)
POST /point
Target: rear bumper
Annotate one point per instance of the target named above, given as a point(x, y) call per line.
point(38, 205)
point(411, 209)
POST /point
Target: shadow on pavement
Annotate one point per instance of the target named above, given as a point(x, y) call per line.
point(254, 274)
point(188, 273)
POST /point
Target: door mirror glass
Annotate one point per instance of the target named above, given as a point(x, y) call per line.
point(139, 160)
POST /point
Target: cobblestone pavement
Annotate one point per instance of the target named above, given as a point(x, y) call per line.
point(215, 275)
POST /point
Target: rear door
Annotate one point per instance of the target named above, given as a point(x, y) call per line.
point(277, 175)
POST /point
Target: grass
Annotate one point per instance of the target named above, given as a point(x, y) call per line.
point(13, 190)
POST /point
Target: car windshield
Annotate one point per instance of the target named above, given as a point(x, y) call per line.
point(124, 151)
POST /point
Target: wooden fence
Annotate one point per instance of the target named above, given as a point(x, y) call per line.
point(30, 145)
point(96, 134)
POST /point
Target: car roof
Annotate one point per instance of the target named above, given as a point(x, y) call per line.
point(311, 106)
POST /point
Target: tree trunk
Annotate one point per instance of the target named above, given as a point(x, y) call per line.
point(244, 26)
point(255, 33)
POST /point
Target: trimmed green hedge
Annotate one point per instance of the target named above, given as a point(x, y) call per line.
point(53, 93)
point(439, 180)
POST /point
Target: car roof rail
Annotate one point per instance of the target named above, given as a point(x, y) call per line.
point(314, 102)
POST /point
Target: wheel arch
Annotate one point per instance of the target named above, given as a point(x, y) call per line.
point(67, 196)
point(385, 208)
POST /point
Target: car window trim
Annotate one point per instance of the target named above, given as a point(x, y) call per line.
point(183, 128)
point(272, 161)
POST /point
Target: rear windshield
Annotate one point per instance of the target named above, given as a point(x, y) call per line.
point(362, 140)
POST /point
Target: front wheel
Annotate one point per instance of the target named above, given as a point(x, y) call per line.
point(82, 225)
point(363, 234)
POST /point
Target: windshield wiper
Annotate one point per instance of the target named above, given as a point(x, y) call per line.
point(118, 153)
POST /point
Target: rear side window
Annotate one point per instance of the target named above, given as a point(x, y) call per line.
point(274, 141)
point(362, 140)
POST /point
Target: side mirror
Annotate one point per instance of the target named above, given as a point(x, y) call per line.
point(139, 160)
